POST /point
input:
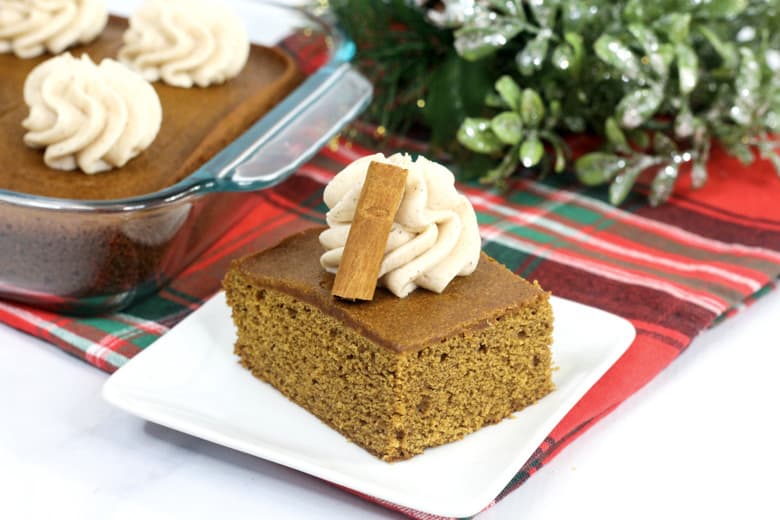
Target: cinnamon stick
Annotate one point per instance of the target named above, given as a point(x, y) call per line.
point(362, 258)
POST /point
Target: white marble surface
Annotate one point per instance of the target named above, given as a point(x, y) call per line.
point(700, 441)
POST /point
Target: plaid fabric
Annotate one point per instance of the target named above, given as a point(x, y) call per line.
point(672, 271)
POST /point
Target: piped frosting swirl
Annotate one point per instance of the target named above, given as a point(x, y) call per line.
point(88, 116)
point(28, 28)
point(185, 43)
point(434, 237)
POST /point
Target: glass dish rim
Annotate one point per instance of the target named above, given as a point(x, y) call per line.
point(200, 182)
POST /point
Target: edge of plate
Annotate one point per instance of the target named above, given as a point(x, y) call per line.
point(625, 334)
point(113, 393)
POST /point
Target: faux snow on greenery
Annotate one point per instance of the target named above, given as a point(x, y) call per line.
point(508, 79)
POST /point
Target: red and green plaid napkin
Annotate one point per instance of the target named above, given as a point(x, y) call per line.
point(672, 271)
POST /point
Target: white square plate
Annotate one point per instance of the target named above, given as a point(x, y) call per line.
point(190, 380)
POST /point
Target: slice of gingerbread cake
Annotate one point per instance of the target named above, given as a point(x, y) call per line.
point(409, 369)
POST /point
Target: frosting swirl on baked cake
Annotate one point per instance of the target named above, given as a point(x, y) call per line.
point(185, 43)
point(28, 28)
point(434, 236)
point(88, 116)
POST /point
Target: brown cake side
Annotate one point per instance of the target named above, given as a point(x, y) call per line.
point(197, 123)
point(395, 376)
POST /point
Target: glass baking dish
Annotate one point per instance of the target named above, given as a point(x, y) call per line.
point(89, 257)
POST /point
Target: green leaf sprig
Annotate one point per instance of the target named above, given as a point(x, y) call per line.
point(509, 80)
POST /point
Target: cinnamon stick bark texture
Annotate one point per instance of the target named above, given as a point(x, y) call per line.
point(379, 200)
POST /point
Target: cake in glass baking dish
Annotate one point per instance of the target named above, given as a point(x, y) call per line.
point(101, 117)
point(447, 341)
point(204, 107)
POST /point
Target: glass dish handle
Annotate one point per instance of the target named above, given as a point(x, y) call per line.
point(291, 133)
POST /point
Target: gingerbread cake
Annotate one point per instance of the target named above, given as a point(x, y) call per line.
point(94, 262)
point(197, 123)
point(394, 375)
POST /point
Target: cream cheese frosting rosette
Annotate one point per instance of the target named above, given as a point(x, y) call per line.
point(28, 28)
point(185, 43)
point(434, 236)
point(88, 116)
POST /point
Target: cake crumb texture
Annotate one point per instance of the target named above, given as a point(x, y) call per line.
point(393, 402)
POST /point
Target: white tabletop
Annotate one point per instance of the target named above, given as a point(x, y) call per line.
point(699, 441)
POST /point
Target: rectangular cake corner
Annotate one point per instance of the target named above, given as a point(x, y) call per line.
point(343, 363)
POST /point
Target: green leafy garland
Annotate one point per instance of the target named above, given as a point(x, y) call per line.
point(495, 82)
